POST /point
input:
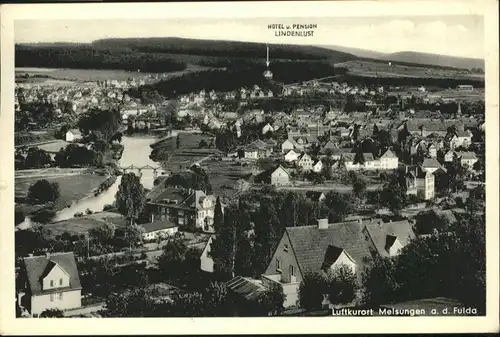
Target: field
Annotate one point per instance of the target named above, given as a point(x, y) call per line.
point(189, 152)
point(85, 223)
point(379, 69)
point(72, 187)
point(53, 76)
point(54, 146)
point(223, 176)
point(77, 74)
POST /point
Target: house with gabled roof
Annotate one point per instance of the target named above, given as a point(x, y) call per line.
point(420, 182)
point(431, 165)
point(48, 282)
point(467, 159)
point(389, 238)
point(292, 156)
point(388, 161)
point(305, 162)
point(316, 248)
point(316, 196)
point(160, 228)
point(183, 207)
point(317, 166)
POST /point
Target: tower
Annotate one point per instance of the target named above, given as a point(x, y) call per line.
point(459, 110)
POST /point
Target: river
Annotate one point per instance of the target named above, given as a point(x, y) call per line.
point(136, 152)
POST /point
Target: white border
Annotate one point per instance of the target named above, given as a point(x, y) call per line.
point(10, 325)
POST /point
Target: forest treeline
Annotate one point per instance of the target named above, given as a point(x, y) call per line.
point(87, 57)
point(224, 48)
point(237, 77)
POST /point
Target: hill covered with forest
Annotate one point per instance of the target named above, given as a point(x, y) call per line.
point(165, 54)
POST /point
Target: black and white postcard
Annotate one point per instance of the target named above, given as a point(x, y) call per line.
point(229, 167)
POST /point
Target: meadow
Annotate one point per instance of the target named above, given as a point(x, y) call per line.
point(72, 187)
point(383, 69)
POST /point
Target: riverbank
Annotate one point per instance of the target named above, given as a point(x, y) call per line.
point(72, 188)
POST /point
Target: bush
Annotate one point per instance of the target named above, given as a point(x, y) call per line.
point(43, 191)
point(311, 291)
point(52, 313)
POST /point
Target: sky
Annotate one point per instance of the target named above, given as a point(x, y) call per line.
point(447, 35)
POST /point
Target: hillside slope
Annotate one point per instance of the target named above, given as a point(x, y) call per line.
point(221, 48)
point(434, 59)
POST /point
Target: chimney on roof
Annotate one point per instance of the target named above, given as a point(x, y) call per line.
point(30, 255)
point(47, 254)
point(322, 223)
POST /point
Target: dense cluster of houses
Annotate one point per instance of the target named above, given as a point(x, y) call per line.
point(308, 140)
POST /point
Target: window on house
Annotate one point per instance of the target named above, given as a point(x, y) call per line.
point(52, 297)
point(286, 248)
point(51, 283)
point(60, 297)
point(292, 272)
point(60, 281)
point(278, 266)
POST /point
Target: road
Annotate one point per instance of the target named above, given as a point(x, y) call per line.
point(48, 172)
point(332, 187)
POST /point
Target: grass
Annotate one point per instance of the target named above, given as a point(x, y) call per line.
point(86, 223)
point(72, 187)
point(71, 76)
point(188, 153)
point(373, 69)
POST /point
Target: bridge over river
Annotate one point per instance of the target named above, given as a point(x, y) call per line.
point(138, 169)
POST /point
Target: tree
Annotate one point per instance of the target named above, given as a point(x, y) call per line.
point(187, 305)
point(393, 197)
point(339, 205)
point(43, 191)
point(19, 217)
point(225, 245)
point(171, 262)
point(312, 290)
point(218, 215)
point(271, 302)
point(104, 123)
point(447, 265)
point(379, 282)
point(131, 197)
point(215, 298)
point(341, 285)
point(427, 222)
point(358, 187)
point(37, 158)
point(267, 236)
point(52, 313)
point(137, 302)
point(103, 233)
point(456, 176)
point(133, 235)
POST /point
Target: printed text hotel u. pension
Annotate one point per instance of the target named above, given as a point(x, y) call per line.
point(300, 30)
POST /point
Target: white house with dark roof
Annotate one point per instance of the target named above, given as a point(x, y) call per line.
point(431, 165)
point(388, 161)
point(314, 249)
point(48, 282)
point(291, 156)
point(389, 237)
point(73, 135)
point(467, 159)
point(185, 208)
point(159, 229)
